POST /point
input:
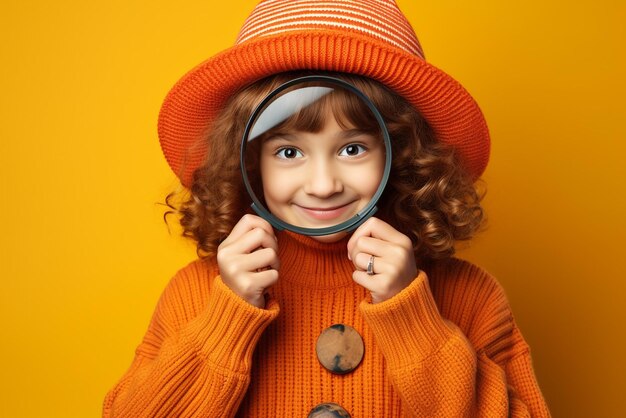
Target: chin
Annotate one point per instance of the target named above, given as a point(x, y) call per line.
point(330, 238)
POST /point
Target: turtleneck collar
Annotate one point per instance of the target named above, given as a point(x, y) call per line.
point(307, 262)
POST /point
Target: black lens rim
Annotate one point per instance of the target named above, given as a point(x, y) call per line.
point(359, 217)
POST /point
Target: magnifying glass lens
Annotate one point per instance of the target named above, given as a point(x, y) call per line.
point(315, 156)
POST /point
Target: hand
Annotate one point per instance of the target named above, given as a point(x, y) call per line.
point(248, 259)
point(394, 261)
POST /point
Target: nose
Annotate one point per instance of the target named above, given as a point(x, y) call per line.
point(323, 180)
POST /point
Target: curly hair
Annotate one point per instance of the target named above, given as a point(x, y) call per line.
point(429, 197)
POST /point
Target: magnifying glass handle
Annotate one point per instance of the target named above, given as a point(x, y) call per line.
point(264, 214)
point(362, 217)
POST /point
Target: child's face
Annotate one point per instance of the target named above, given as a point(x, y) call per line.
point(321, 179)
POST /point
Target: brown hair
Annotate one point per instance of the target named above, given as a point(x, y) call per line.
point(428, 197)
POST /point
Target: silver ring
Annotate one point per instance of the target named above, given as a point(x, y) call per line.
point(370, 266)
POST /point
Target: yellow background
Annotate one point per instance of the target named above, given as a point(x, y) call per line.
point(85, 254)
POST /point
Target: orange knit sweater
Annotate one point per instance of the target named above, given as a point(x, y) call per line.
point(446, 346)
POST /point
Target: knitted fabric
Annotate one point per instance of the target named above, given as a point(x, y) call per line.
point(446, 346)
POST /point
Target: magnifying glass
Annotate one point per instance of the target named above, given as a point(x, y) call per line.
point(285, 117)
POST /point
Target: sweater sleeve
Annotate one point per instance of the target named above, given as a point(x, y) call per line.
point(195, 359)
point(439, 371)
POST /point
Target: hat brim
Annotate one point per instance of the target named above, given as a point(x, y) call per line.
point(192, 105)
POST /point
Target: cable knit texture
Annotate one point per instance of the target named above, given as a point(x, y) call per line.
point(446, 346)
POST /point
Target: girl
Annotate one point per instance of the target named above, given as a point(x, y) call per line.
point(381, 322)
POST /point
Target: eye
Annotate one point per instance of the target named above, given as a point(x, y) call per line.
point(352, 150)
point(288, 153)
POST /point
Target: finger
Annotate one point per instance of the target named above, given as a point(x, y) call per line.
point(377, 284)
point(365, 280)
point(363, 230)
point(247, 223)
point(265, 278)
point(379, 266)
point(376, 228)
point(252, 240)
point(368, 245)
point(266, 257)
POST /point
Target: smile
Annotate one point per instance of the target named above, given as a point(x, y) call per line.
point(325, 214)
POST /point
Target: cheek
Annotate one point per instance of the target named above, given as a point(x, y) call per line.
point(370, 177)
point(371, 184)
point(278, 186)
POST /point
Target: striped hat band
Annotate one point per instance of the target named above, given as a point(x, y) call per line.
point(379, 19)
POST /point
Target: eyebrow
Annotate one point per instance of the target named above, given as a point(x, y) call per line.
point(343, 134)
point(279, 136)
point(351, 133)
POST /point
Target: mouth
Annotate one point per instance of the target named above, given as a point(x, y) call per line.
point(325, 213)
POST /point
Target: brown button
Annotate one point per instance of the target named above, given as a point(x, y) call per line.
point(340, 348)
point(328, 410)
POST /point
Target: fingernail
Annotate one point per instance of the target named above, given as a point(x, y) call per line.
point(349, 258)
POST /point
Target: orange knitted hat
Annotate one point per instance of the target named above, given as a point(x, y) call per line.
point(371, 38)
